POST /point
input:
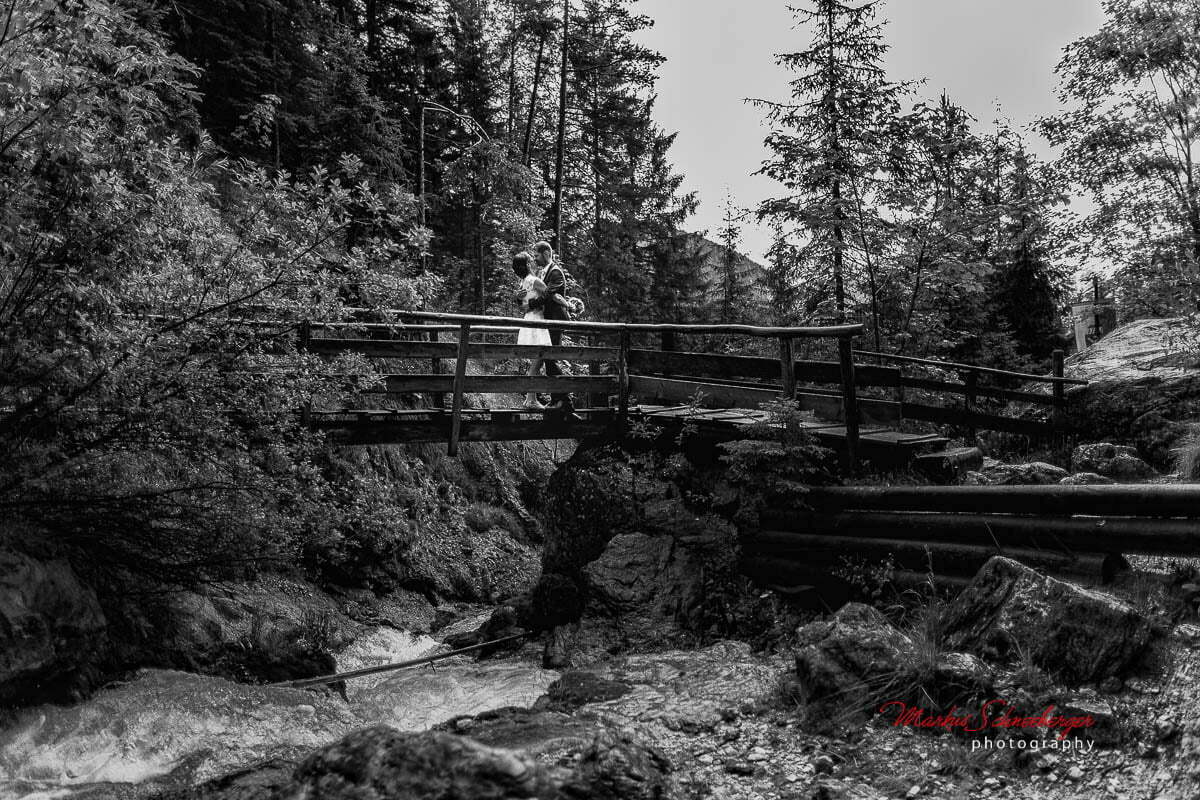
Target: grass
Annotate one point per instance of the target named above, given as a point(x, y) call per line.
point(1187, 458)
point(482, 517)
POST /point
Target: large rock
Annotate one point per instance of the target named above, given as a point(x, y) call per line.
point(644, 579)
point(1035, 473)
point(589, 500)
point(843, 663)
point(1085, 479)
point(1077, 634)
point(1110, 460)
point(51, 629)
point(381, 763)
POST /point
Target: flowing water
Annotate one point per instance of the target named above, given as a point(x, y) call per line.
point(167, 727)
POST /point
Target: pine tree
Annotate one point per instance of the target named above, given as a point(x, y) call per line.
point(1026, 289)
point(733, 292)
point(781, 280)
point(828, 141)
point(625, 201)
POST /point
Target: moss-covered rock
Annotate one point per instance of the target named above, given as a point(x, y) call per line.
point(589, 499)
point(1010, 611)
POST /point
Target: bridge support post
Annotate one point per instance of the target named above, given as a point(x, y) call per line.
point(849, 401)
point(305, 336)
point(460, 377)
point(623, 381)
point(1058, 414)
point(970, 393)
point(439, 398)
point(787, 365)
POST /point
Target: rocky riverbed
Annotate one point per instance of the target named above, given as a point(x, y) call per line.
point(719, 719)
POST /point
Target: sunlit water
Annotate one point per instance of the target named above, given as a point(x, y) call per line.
point(163, 722)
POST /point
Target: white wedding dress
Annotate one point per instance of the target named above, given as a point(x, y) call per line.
point(539, 336)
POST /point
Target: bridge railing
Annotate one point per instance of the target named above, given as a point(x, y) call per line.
point(617, 369)
point(380, 340)
point(975, 382)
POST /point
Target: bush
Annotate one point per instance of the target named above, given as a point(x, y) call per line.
point(481, 517)
point(148, 430)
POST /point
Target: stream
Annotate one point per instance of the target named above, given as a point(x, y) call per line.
point(164, 727)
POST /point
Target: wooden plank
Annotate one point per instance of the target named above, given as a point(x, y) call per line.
point(305, 334)
point(953, 365)
point(460, 376)
point(849, 402)
point(948, 387)
point(623, 381)
point(1060, 397)
point(826, 331)
point(787, 366)
point(497, 384)
point(831, 407)
point(672, 389)
point(971, 382)
point(704, 365)
point(1150, 500)
point(476, 351)
point(831, 372)
point(954, 558)
point(991, 422)
point(470, 430)
point(439, 399)
point(1110, 535)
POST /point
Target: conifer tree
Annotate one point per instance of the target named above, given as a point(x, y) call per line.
point(828, 140)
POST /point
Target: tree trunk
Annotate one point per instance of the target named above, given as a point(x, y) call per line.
point(562, 132)
point(512, 74)
point(839, 241)
point(533, 97)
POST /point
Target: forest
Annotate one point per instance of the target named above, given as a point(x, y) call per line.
point(171, 167)
point(186, 185)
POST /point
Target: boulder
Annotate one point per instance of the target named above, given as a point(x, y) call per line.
point(1085, 479)
point(843, 663)
point(1077, 634)
point(51, 629)
point(1035, 473)
point(589, 500)
point(975, 478)
point(963, 672)
point(1110, 460)
point(642, 574)
point(380, 762)
point(649, 587)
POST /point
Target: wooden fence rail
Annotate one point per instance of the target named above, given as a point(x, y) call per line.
point(617, 371)
point(1077, 530)
point(619, 383)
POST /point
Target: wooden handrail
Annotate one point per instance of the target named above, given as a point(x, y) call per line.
point(1025, 376)
point(832, 331)
point(493, 324)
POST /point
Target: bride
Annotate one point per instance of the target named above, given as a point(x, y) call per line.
point(532, 296)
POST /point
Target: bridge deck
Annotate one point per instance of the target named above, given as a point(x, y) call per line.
point(516, 424)
point(718, 392)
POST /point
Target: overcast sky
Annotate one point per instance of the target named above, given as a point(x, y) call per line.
point(985, 53)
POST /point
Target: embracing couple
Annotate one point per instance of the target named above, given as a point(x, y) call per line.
point(543, 296)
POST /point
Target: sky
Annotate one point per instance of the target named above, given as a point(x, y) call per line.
point(986, 54)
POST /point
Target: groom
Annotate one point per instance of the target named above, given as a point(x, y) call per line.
point(558, 306)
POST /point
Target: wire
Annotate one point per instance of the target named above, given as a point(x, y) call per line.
point(358, 673)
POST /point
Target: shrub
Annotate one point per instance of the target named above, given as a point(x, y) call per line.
point(147, 428)
point(482, 517)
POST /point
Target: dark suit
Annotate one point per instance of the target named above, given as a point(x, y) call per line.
point(556, 286)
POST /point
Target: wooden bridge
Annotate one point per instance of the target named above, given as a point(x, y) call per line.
point(860, 401)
